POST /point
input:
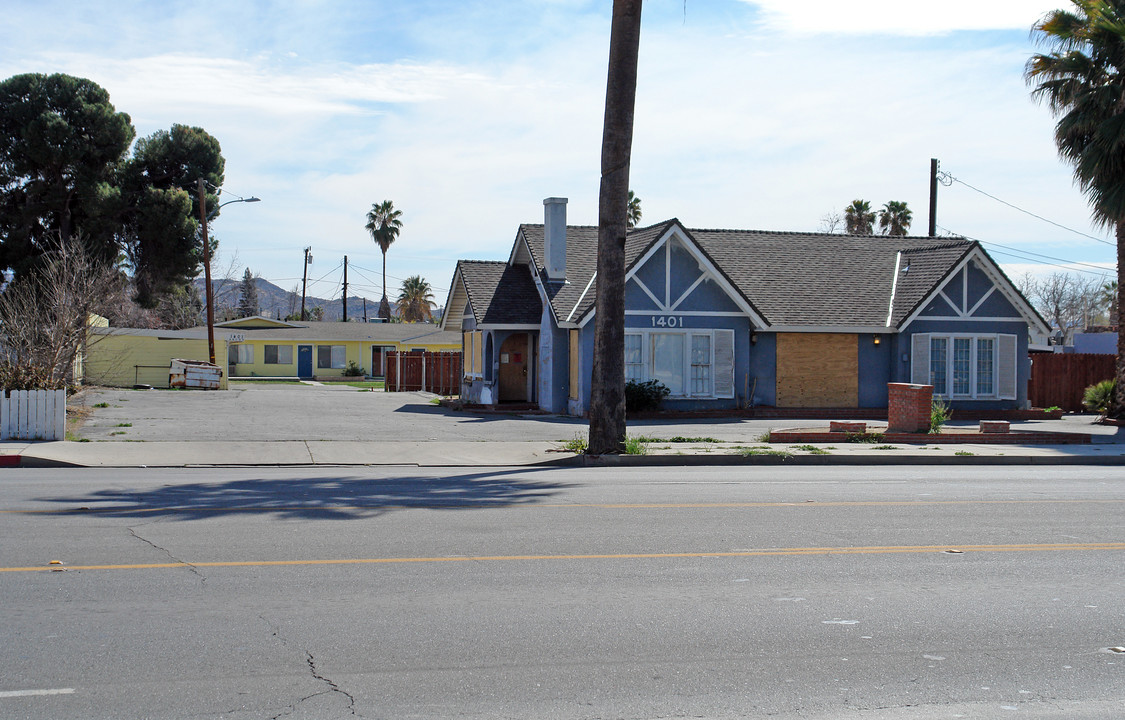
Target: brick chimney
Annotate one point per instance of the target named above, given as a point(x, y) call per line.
point(554, 238)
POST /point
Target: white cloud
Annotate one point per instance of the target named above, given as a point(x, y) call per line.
point(899, 17)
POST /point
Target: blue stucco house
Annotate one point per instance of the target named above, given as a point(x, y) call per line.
point(729, 319)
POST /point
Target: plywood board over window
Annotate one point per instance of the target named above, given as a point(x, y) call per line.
point(817, 370)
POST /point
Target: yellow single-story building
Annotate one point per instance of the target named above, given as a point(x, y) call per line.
point(124, 357)
point(257, 347)
point(263, 347)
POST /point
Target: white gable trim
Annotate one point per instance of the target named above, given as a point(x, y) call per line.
point(894, 288)
point(999, 281)
point(570, 316)
point(458, 282)
point(521, 258)
point(709, 272)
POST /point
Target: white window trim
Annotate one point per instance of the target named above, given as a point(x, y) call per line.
point(331, 365)
point(249, 351)
point(687, 333)
point(279, 346)
point(947, 391)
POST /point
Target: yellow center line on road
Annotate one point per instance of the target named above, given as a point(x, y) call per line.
point(764, 552)
point(522, 505)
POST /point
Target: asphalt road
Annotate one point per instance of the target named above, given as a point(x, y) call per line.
point(563, 593)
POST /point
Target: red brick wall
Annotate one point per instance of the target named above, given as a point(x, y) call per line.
point(908, 407)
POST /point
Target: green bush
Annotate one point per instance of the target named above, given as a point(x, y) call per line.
point(644, 396)
point(353, 370)
point(939, 414)
point(1099, 398)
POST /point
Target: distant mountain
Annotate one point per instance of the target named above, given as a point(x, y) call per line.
point(276, 302)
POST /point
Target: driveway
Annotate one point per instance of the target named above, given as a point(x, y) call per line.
point(266, 411)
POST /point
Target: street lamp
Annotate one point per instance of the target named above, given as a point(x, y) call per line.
point(203, 217)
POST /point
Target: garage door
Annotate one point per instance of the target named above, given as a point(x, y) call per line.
point(817, 370)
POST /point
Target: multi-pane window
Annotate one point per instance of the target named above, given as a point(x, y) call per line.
point(634, 363)
point(691, 363)
point(700, 364)
point(668, 361)
point(241, 354)
point(939, 349)
point(331, 356)
point(962, 364)
point(986, 366)
point(278, 355)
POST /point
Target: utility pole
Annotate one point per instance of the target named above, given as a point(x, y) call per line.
point(364, 309)
point(207, 272)
point(345, 288)
point(933, 196)
point(305, 281)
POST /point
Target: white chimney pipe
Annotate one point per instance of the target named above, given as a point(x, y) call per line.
point(554, 238)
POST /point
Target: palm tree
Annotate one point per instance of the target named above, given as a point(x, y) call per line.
point(607, 380)
point(384, 225)
point(1082, 80)
point(858, 218)
point(894, 218)
point(415, 300)
point(634, 214)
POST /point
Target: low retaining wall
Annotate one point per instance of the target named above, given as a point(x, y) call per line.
point(977, 438)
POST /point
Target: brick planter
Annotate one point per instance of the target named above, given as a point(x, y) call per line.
point(909, 407)
point(845, 426)
point(995, 426)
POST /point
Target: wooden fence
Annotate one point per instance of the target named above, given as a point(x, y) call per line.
point(33, 415)
point(1062, 378)
point(435, 372)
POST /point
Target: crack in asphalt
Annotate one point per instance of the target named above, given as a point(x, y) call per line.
point(166, 551)
point(316, 674)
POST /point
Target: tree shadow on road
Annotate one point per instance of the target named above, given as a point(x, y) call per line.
point(325, 497)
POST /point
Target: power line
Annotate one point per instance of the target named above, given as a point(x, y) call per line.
point(1024, 255)
point(946, 176)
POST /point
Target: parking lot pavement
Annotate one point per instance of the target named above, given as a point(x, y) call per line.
point(270, 412)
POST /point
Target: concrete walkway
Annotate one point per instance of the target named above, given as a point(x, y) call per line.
point(295, 425)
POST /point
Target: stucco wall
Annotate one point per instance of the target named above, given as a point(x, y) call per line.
point(1015, 327)
point(122, 360)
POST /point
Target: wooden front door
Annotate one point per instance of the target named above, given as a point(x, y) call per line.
point(513, 369)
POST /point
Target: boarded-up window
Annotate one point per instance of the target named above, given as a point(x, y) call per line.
point(817, 370)
point(573, 364)
point(467, 353)
point(478, 352)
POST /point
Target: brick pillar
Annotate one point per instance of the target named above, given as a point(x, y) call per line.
point(908, 407)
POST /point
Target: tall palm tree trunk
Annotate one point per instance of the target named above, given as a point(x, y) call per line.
point(607, 389)
point(1118, 409)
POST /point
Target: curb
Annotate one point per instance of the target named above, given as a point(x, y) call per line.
point(824, 461)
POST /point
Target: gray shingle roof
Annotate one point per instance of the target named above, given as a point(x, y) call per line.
point(789, 278)
point(575, 298)
point(519, 304)
point(317, 331)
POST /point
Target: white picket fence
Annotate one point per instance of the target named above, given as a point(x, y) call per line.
point(33, 415)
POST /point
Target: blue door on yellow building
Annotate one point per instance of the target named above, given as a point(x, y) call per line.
point(304, 361)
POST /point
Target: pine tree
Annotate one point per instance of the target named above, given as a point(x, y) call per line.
point(248, 296)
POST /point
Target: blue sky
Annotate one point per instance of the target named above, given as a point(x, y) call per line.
point(763, 114)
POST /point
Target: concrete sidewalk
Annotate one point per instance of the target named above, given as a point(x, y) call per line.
point(502, 454)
